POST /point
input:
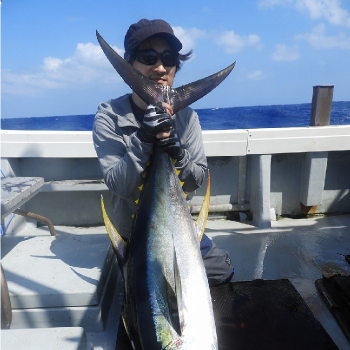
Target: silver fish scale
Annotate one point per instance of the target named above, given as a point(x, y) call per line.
point(160, 261)
point(174, 238)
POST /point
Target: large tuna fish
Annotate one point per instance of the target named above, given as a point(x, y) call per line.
point(167, 301)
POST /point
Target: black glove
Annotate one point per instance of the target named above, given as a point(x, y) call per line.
point(155, 120)
point(172, 146)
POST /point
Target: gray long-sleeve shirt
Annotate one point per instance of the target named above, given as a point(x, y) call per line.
point(123, 156)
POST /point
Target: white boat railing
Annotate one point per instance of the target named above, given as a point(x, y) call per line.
point(254, 147)
point(217, 143)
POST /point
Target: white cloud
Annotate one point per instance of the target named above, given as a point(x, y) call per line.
point(284, 53)
point(52, 63)
point(188, 37)
point(233, 42)
point(88, 64)
point(27, 83)
point(331, 10)
point(318, 39)
point(256, 75)
point(91, 54)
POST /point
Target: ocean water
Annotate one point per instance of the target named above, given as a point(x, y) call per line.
point(276, 116)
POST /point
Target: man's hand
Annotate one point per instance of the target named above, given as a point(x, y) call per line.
point(165, 134)
point(156, 123)
point(172, 146)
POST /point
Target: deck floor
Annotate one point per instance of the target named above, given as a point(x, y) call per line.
point(301, 250)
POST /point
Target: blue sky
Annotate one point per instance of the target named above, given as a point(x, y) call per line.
point(52, 64)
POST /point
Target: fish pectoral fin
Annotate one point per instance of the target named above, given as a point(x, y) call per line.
point(203, 214)
point(118, 243)
point(178, 291)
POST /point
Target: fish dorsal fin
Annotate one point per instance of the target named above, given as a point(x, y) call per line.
point(152, 93)
point(119, 245)
point(203, 214)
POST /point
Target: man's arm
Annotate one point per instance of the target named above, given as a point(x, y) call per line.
point(121, 164)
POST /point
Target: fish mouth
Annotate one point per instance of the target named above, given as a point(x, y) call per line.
point(152, 92)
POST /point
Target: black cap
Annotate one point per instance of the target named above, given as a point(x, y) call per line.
point(144, 29)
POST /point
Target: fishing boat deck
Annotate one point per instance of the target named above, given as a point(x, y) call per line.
point(301, 250)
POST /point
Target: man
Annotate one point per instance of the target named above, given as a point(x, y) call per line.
point(126, 131)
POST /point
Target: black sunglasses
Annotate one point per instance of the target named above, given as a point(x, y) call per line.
point(151, 57)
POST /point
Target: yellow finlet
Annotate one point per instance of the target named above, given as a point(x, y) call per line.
point(141, 187)
point(133, 216)
point(148, 163)
point(185, 194)
point(177, 171)
point(125, 323)
point(137, 201)
point(174, 160)
point(181, 183)
point(144, 175)
point(126, 328)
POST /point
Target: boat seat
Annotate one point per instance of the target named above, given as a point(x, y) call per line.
point(75, 185)
point(67, 338)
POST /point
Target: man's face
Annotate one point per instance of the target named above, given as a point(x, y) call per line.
point(157, 72)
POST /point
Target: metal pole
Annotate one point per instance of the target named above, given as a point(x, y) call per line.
point(321, 105)
point(242, 179)
point(37, 217)
point(6, 309)
point(217, 208)
point(315, 163)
